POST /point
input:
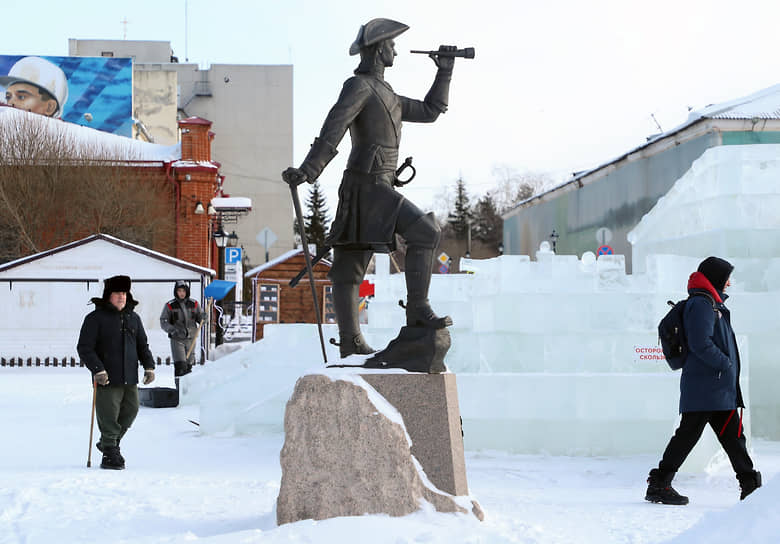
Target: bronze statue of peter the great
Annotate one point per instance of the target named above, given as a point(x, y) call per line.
point(370, 210)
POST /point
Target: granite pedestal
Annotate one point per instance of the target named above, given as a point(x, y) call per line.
point(346, 453)
point(428, 404)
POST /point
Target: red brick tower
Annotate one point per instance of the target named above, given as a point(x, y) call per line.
point(197, 177)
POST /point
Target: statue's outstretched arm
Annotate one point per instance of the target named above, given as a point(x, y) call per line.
point(437, 99)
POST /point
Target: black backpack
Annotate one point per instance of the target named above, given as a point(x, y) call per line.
point(671, 333)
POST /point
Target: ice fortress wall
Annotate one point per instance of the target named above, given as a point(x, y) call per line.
point(558, 354)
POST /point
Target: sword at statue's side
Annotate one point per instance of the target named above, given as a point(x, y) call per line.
point(307, 258)
point(398, 182)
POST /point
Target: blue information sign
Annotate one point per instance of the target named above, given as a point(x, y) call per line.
point(232, 255)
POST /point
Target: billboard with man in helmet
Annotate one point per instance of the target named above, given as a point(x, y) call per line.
point(91, 91)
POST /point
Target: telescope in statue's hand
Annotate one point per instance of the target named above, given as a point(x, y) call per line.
point(466, 53)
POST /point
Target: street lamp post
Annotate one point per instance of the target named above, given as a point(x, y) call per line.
point(232, 241)
point(468, 241)
point(225, 210)
point(221, 239)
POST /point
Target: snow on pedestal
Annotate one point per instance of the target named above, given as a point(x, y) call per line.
point(347, 452)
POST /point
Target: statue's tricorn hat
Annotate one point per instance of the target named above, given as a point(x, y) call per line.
point(375, 31)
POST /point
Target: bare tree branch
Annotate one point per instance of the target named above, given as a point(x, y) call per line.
point(55, 189)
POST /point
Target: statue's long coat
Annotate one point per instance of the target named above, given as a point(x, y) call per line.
point(368, 203)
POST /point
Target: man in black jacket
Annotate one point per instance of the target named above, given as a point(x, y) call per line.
point(111, 345)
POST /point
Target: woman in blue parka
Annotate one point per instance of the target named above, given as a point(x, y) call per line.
point(709, 386)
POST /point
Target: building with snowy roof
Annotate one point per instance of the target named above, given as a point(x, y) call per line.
point(46, 296)
point(598, 207)
point(185, 179)
point(275, 301)
point(252, 110)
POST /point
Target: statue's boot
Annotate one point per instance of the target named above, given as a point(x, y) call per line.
point(345, 302)
point(419, 266)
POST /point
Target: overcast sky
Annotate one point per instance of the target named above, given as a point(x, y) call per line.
point(556, 86)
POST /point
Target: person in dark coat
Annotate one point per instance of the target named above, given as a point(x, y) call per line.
point(709, 386)
point(370, 211)
point(180, 318)
point(111, 345)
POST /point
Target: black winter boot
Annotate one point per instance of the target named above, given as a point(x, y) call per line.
point(748, 482)
point(181, 368)
point(112, 459)
point(345, 303)
point(99, 446)
point(660, 490)
point(419, 265)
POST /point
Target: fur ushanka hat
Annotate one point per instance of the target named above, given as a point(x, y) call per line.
point(116, 284)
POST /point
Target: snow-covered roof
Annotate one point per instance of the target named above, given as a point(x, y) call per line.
point(88, 142)
point(223, 203)
point(195, 164)
point(764, 104)
point(281, 258)
point(113, 240)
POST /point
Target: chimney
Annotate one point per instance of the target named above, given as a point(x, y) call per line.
point(196, 139)
point(198, 179)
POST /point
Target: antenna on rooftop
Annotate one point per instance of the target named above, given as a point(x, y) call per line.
point(186, 56)
point(656, 122)
point(124, 22)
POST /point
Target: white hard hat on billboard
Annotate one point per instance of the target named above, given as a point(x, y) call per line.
point(41, 73)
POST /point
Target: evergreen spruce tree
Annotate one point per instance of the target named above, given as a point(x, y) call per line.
point(461, 217)
point(488, 225)
point(315, 220)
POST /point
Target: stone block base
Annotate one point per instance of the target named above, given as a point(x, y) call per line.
point(347, 453)
point(428, 404)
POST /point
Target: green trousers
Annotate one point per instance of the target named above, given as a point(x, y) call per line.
point(116, 407)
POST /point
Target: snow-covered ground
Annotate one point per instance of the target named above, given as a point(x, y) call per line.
point(181, 486)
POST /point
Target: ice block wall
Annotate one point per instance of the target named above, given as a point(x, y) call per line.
point(727, 204)
point(557, 354)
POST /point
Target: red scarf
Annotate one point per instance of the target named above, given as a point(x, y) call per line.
point(700, 281)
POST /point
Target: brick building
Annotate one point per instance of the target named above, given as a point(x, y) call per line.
point(183, 178)
point(251, 107)
point(197, 180)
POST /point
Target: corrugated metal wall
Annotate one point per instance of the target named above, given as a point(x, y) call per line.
point(616, 201)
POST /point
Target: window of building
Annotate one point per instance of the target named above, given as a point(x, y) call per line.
point(328, 310)
point(267, 303)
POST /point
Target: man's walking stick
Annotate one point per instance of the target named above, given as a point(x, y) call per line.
point(307, 258)
point(92, 422)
